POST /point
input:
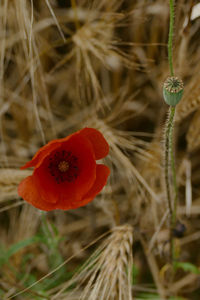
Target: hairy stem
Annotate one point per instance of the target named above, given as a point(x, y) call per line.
point(169, 154)
point(169, 124)
point(173, 167)
point(174, 202)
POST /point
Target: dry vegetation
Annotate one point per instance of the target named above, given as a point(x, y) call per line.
point(65, 65)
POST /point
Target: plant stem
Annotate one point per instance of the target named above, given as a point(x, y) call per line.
point(173, 167)
point(167, 184)
point(170, 39)
point(169, 151)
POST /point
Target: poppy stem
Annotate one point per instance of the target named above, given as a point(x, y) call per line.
point(44, 222)
point(173, 168)
point(169, 149)
point(170, 39)
point(169, 158)
point(167, 183)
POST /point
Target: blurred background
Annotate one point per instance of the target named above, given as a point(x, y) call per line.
point(65, 65)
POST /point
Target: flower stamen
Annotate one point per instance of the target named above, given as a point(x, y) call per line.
point(63, 166)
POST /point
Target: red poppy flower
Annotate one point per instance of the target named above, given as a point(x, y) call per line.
point(65, 174)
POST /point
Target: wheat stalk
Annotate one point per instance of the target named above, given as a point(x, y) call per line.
point(107, 273)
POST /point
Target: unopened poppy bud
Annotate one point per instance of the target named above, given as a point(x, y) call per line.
point(173, 90)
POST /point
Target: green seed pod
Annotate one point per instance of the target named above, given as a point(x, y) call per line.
point(173, 90)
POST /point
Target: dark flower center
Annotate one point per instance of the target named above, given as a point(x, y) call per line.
point(63, 166)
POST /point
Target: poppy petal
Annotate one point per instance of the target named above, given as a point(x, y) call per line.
point(65, 193)
point(102, 173)
point(45, 150)
point(29, 192)
point(41, 154)
point(100, 145)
